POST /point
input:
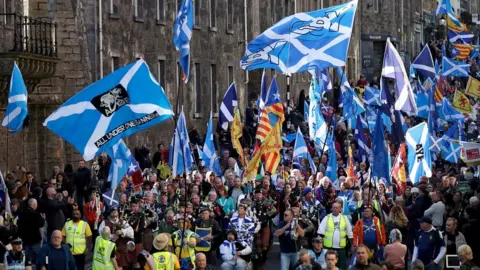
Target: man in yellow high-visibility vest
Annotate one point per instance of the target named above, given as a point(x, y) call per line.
point(335, 229)
point(104, 252)
point(78, 236)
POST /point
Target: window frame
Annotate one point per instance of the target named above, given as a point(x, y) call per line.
point(212, 10)
point(213, 90)
point(198, 91)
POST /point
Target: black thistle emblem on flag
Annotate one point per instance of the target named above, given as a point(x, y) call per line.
point(419, 152)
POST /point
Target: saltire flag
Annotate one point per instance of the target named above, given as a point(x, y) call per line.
point(455, 68)
point(423, 64)
point(380, 159)
point(125, 102)
point(237, 133)
point(121, 158)
point(183, 34)
point(201, 154)
point(445, 7)
point(323, 77)
point(394, 68)
point(363, 149)
point(300, 151)
point(412, 72)
point(461, 51)
point(317, 127)
point(460, 37)
point(473, 87)
point(211, 162)
point(352, 105)
point(372, 96)
point(448, 113)
point(331, 171)
point(451, 150)
point(293, 45)
point(461, 103)
point(423, 105)
point(227, 107)
point(180, 154)
point(17, 110)
point(289, 137)
point(396, 119)
point(4, 197)
point(432, 127)
point(305, 110)
point(398, 171)
point(419, 159)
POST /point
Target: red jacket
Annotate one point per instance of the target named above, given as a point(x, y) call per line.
point(379, 229)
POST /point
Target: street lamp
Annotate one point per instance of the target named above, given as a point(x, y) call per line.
point(443, 23)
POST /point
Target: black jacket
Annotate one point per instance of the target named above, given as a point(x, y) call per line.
point(82, 178)
point(29, 224)
point(315, 265)
point(55, 212)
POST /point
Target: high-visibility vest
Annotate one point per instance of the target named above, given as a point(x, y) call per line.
point(179, 249)
point(14, 265)
point(375, 205)
point(330, 229)
point(102, 254)
point(75, 236)
point(164, 260)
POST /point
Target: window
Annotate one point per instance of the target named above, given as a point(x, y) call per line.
point(230, 75)
point(230, 15)
point(7, 7)
point(376, 6)
point(325, 3)
point(114, 7)
point(161, 10)
point(161, 72)
point(198, 90)
point(213, 13)
point(197, 6)
point(115, 63)
point(213, 88)
point(139, 12)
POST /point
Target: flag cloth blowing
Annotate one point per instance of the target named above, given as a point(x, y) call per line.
point(227, 107)
point(183, 34)
point(419, 159)
point(180, 154)
point(461, 103)
point(123, 163)
point(211, 161)
point(123, 103)
point(303, 41)
point(236, 134)
point(17, 110)
point(473, 87)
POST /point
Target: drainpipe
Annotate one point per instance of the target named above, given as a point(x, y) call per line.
point(100, 36)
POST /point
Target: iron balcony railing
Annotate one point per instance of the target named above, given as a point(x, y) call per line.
point(31, 35)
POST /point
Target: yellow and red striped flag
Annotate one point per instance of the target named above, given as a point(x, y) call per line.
point(463, 51)
point(398, 171)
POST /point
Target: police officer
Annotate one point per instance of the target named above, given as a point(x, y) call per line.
point(104, 252)
point(162, 258)
point(16, 258)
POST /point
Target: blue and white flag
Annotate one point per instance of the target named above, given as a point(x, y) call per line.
point(363, 150)
point(123, 103)
point(17, 110)
point(289, 137)
point(372, 96)
point(300, 151)
point(394, 68)
point(419, 159)
point(423, 64)
point(4, 197)
point(452, 67)
point(211, 161)
point(121, 158)
point(379, 150)
point(412, 73)
point(182, 34)
point(227, 107)
point(352, 105)
point(451, 150)
point(273, 93)
point(303, 41)
point(323, 77)
point(448, 113)
point(180, 154)
point(459, 37)
point(445, 7)
point(263, 92)
point(423, 105)
point(331, 171)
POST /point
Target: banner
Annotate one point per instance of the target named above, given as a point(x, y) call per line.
point(461, 103)
point(470, 153)
point(473, 87)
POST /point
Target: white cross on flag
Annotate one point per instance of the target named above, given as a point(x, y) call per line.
point(419, 160)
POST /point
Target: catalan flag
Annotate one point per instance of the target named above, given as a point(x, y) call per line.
point(455, 27)
point(269, 117)
point(461, 103)
point(438, 93)
point(461, 51)
point(272, 150)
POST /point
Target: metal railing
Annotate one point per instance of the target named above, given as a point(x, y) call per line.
point(35, 36)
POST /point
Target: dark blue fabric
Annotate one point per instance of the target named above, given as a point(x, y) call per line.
point(428, 245)
point(369, 233)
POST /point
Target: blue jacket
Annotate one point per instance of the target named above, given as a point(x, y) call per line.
point(45, 251)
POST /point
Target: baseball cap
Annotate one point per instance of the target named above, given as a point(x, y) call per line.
point(425, 219)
